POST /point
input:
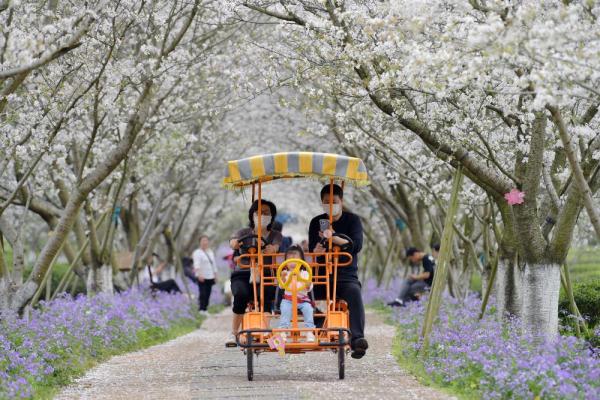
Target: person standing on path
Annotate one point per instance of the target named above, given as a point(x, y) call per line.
point(205, 269)
point(348, 286)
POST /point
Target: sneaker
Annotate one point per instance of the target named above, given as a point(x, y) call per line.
point(359, 349)
point(204, 313)
point(310, 337)
point(230, 342)
point(396, 303)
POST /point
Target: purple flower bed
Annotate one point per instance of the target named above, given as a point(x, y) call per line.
point(372, 293)
point(63, 335)
point(495, 359)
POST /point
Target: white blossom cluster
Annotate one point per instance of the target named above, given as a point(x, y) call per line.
point(72, 79)
point(468, 79)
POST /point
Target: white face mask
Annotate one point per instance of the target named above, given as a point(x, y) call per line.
point(264, 220)
point(337, 209)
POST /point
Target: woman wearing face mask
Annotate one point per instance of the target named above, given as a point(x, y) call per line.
point(241, 286)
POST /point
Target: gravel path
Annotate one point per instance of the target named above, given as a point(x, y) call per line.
point(198, 366)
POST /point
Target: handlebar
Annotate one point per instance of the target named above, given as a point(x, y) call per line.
point(314, 256)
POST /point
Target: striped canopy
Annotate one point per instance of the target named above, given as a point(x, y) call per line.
point(267, 167)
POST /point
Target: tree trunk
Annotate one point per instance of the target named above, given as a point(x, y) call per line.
point(508, 288)
point(540, 299)
point(441, 273)
point(486, 274)
point(412, 217)
point(130, 218)
point(188, 247)
point(100, 280)
point(142, 246)
point(6, 289)
point(15, 239)
point(529, 291)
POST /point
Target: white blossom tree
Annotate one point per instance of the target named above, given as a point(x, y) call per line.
point(143, 72)
point(494, 86)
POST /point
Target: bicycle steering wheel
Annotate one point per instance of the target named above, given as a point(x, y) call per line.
point(295, 272)
point(253, 244)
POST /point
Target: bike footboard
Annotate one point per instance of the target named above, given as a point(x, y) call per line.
point(253, 345)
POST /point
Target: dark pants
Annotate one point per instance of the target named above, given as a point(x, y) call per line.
point(349, 292)
point(243, 293)
point(205, 288)
point(410, 287)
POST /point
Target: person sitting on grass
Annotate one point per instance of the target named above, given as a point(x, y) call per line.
point(416, 283)
point(305, 304)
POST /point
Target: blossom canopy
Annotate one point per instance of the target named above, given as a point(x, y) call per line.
point(268, 167)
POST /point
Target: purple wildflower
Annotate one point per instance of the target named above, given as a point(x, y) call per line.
point(63, 333)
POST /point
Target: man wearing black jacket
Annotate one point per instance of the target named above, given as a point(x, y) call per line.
point(348, 285)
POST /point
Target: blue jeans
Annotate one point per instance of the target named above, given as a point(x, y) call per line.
point(286, 314)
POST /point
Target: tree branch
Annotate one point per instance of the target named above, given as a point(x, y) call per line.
point(550, 187)
point(71, 44)
point(289, 17)
point(579, 177)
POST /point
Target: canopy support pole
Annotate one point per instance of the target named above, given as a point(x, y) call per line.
point(330, 249)
point(260, 253)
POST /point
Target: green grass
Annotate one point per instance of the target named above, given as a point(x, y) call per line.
point(584, 263)
point(145, 338)
point(215, 308)
point(476, 282)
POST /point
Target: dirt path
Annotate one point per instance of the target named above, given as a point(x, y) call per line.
point(198, 366)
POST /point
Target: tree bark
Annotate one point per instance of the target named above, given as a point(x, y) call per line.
point(18, 251)
point(130, 219)
point(529, 292)
point(141, 247)
point(440, 276)
point(540, 300)
point(509, 288)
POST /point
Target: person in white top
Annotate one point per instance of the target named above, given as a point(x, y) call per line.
point(205, 269)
